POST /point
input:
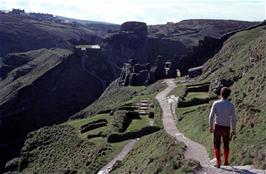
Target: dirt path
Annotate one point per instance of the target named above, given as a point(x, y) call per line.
point(119, 157)
point(194, 150)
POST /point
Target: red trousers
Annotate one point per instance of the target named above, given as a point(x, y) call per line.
point(221, 132)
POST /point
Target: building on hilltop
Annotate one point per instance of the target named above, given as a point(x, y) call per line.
point(41, 16)
point(17, 11)
point(4, 11)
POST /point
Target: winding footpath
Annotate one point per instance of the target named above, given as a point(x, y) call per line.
point(194, 150)
point(119, 157)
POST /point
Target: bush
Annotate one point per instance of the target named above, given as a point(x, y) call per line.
point(121, 120)
point(157, 114)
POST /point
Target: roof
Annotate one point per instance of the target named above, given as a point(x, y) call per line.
point(82, 47)
point(195, 68)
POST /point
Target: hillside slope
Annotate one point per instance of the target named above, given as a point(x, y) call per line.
point(85, 145)
point(40, 88)
point(240, 64)
point(46, 86)
point(23, 33)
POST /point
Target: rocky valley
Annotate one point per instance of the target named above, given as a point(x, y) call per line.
point(73, 94)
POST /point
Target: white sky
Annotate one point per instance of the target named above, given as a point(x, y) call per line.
point(149, 11)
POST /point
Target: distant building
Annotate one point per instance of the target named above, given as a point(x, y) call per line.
point(84, 49)
point(178, 73)
point(17, 11)
point(196, 71)
point(167, 66)
point(41, 16)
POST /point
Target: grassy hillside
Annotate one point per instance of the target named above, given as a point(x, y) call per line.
point(114, 97)
point(22, 33)
point(241, 62)
point(84, 145)
point(156, 153)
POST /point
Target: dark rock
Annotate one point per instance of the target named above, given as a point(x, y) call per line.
point(219, 84)
point(136, 27)
point(137, 68)
point(132, 62)
point(13, 165)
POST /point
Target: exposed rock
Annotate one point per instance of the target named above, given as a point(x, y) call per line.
point(136, 27)
point(139, 79)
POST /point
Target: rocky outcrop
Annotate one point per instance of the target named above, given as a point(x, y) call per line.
point(186, 44)
point(130, 42)
point(135, 74)
point(135, 27)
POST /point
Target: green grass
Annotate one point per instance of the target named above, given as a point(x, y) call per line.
point(114, 97)
point(201, 95)
point(63, 149)
point(180, 91)
point(233, 60)
point(193, 122)
point(58, 149)
point(157, 114)
point(79, 122)
point(156, 153)
point(137, 124)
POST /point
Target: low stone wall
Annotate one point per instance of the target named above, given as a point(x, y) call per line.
point(193, 102)
point(93, 125)
point(200, 88)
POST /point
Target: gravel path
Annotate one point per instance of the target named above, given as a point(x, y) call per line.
point(194, 150)
point(119, 157)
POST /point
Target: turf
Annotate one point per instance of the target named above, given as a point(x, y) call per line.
point(156, 153)
point(241, 60)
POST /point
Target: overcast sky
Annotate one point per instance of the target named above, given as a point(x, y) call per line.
point(149, 11)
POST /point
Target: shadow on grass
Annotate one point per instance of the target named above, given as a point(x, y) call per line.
point(236, 170)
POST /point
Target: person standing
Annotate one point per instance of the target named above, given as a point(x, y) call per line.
point(222, 121)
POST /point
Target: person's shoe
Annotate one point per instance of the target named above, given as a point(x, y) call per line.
point(217, 165)
point(226, 156)
point(218, 158)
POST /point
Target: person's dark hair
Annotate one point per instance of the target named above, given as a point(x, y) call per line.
point(225, 92)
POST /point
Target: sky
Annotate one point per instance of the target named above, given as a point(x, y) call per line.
point(149, 11)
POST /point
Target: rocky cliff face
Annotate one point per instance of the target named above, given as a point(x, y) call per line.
point(186, 44)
